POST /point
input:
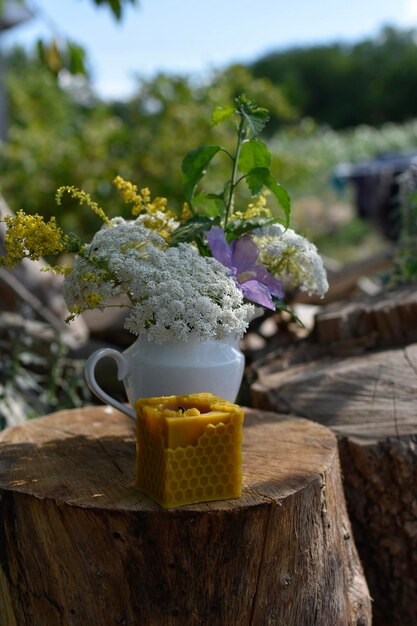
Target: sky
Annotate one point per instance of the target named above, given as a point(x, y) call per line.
point(196, 36)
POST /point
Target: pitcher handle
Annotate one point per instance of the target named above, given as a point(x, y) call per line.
point(122, 372)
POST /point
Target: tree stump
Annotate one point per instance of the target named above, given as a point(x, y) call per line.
point(369, 401)
point(385, 320)
point(80, 545)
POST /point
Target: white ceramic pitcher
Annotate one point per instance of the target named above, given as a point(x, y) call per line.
point(148, 369)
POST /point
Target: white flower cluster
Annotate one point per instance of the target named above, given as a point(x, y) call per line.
point(174, 291)
point(99, 275)
point(158, 221)
point(178, 292)
point(292, 259)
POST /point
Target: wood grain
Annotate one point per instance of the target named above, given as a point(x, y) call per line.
point(367, 396)
point(381, 321)
point(369, 402)
point(79, 544)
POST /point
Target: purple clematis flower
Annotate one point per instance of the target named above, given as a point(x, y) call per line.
point(240, 256)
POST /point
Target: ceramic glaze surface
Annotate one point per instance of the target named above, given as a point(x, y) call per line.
point(173, 368)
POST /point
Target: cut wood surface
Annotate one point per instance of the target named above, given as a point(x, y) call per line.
point(384, 320)
point(369, 401)
point(80, 545)
point(366, 396)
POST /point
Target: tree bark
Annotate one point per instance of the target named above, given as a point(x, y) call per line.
point(368, 400)
point(79, 544)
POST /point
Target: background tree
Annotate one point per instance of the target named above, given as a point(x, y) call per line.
point(343, 85)
point(85, 142)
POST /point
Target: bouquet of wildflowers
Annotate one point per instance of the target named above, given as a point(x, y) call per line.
point(198, 271)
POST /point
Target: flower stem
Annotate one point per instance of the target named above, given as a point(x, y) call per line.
point(241, 134)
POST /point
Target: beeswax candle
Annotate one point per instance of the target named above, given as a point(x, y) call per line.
point(188, 449)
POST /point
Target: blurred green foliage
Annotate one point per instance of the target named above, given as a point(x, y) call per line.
point(304, 155)
point(61, 135)
point(116, 6)
point(343, 85)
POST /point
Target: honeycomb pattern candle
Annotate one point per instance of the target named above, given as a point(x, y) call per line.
point(188, 449)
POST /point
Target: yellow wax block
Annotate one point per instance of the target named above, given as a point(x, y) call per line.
point(188, 449)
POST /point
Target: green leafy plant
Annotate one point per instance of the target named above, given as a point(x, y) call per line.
point(249, 162)
point(199, 271)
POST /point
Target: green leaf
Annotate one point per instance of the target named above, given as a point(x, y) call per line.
point(238, 227)
point(192, 228)
point(281, 306)
point(220, 114)
point(256, 117)
point(261, 177)
point(210, 203)
point(77, 63)
point(116, 6)
point(194, 167)
point(254, 154)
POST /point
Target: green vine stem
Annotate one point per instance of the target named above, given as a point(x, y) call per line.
point(241, 135)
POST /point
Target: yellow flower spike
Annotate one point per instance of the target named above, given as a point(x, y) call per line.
point(165, 235)
point(160, 204)
point(255, 209)
point(146, 194)
point(128, 192)
point(31, 237)
point(141, 201)
point(75, 309)
point(93, 299)
point(186, 212)
point(83, 198)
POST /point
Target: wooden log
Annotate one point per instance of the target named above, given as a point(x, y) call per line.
point(80, 545)
point(368, 400)
point(387, 319)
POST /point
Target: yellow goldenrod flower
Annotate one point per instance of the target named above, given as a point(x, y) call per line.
point(255, 209)
point(83, 198)
point(160, 204)
point(128, 191)
point(75, 309)
point(146, 194)
point(152, 213)
point(92, 299)
point(141, 201)
point(186, 212)
point(30, 237)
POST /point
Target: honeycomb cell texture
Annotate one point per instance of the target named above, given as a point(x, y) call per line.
point(188, 449)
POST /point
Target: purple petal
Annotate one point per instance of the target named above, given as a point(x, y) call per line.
point(257, 293)
point(219, 247)
point(244, 254)
point(274, 285)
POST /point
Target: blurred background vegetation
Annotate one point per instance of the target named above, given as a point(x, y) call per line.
point(329, 104)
